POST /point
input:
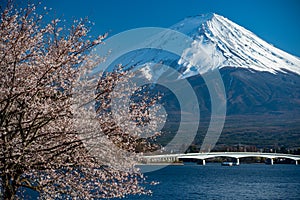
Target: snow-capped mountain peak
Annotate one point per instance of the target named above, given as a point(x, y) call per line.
point(219, 42)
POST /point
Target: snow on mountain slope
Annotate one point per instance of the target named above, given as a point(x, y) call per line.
point(227, 44)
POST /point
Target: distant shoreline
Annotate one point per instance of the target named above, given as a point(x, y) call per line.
point(160, 164)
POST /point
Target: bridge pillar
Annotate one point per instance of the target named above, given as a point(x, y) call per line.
point(201, 162)
point(272, 161)
point(237, 161)
point(296, 162)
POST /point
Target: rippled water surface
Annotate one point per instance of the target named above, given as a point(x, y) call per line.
point(213, 181)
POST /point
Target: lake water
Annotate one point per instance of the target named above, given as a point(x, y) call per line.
point(213, 181)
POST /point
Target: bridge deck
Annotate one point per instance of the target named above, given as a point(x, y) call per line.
point(236, 155)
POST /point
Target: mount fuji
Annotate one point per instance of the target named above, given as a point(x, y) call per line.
point(262, 82)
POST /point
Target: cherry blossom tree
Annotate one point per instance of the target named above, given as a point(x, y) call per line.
point(51, 142)
point(135, 132)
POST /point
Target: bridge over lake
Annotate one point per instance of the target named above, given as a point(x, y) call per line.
point(203, 156)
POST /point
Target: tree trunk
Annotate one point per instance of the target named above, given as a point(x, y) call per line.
point(9, 187)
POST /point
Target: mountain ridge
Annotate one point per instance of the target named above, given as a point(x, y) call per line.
point(262, 95)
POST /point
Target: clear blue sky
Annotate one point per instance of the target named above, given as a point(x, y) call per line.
point(276, 21)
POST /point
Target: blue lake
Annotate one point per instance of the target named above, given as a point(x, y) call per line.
point(213, 181)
